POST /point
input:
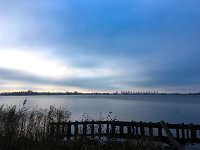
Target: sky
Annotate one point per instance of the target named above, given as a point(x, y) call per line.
point(100, 45)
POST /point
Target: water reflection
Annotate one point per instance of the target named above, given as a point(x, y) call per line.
point(171, 108)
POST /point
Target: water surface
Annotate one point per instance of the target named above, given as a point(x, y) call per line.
point(171, 108)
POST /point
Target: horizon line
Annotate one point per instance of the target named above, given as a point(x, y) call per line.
point(97, 92)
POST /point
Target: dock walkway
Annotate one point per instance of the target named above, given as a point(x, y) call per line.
point(183, 133)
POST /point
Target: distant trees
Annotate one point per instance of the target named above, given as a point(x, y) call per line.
point(30, 92)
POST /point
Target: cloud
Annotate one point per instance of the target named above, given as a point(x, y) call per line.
point(101, 44)
point(23, 78)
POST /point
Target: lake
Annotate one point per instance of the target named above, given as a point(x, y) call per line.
point(171, 108)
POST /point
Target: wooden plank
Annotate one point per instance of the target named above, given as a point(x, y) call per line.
point(133, 123)
point(170, 136)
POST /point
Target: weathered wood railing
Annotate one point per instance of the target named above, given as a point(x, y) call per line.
point(184, 133)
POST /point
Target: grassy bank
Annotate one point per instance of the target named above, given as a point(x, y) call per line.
point(23, 128)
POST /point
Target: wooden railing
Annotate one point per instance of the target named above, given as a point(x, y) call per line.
point(183, 133)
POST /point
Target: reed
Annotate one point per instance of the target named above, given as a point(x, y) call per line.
point(27, 128)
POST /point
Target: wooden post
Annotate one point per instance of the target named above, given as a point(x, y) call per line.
point(75, 128)
point(150, 129)
point(92, 129)
point(113, 128)
point(99, 130)
point(107, 129)
point(193, 133)
point(141, 128)
point(121, 129)
point(159, 130)
point(84, 129)
point(183, 132)
point(69, 130)
point(136, 130)
point(188, 136)
point(129, 130)
point(133, 130)
point(177, 133)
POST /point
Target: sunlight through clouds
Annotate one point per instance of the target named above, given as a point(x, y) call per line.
point(45, 65)
point(32, 62)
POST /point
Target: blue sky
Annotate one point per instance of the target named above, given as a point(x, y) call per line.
point(100, 45)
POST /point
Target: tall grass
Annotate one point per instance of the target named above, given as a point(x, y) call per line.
point(27, 128)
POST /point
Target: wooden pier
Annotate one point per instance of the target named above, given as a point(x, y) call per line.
point(183, 133)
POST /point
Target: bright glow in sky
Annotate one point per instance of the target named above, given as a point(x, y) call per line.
point(100, 45)
point(31, 62)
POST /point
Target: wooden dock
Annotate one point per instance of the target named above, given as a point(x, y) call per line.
point(183, 133)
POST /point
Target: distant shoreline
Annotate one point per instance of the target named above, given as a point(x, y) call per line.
point(31, 93)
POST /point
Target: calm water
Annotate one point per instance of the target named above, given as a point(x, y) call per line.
point(171, 108)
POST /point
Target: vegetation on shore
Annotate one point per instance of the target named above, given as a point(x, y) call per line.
point(30, 92)
point(23, 128)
